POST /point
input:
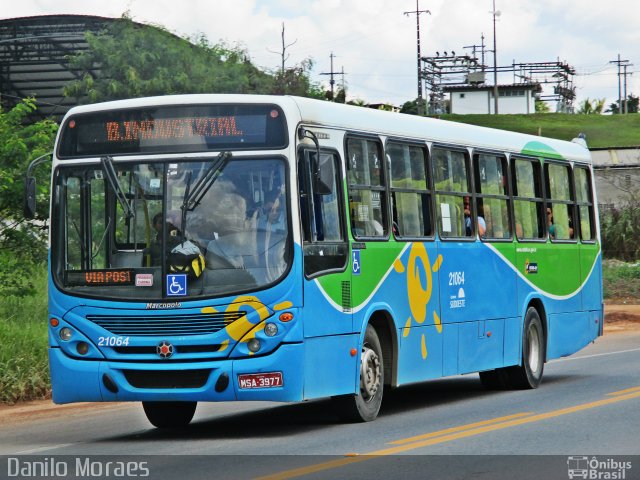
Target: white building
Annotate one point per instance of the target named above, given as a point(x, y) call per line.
point(472, 99)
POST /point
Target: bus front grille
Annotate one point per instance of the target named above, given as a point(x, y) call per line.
point(167, 378)
point(165, 325)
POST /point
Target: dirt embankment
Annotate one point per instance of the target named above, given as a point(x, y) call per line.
point(620, 318)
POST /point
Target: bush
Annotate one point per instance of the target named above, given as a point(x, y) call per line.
point(24, 369)
point(621, 281)
point(620, 231)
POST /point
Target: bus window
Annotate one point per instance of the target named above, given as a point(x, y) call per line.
point(584, 199)
point(324, 242)
point(493, 195)
point(367, 196)
point(528, 203)
point(453, 193)
point(411, 199)
point(559, 202)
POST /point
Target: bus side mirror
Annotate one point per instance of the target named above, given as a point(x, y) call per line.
point(30, 197)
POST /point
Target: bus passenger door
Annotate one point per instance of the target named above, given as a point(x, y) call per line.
point(324, 245)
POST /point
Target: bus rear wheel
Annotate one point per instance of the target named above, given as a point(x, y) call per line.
point(169, 414)
point(365, 406)
point(529, 374)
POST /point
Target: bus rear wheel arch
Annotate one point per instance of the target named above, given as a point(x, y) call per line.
point(169, 414)
point(364, 406)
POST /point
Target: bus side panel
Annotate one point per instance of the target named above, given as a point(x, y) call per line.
point(323, 314)
point(329, 367)
point(475, 283)
point(82, 384)
point(591, 276)
point(553, 269)
point(481, 345)
point(421, 354)
point(512, 341)
point(568, 333)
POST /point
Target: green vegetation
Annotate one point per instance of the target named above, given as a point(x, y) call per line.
point(601, 130)
point(620, 230)
point(24, 369)
point(137, 62)
point(621, 281)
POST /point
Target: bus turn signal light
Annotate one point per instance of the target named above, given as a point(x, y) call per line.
point(54, 322)
point(286, 316)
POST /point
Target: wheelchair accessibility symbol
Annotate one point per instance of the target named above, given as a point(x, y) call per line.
point(356, 262)
point(176, 285)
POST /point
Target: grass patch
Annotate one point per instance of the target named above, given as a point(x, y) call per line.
point(24, 368)
point(601, 130)
point(621, 281)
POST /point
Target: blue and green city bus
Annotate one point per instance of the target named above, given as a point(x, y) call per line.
point(238, 247)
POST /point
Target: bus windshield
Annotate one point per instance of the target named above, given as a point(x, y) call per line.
point(234, 238)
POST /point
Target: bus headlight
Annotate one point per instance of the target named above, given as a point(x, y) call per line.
point(82, 348)
point(253, 345)
point(271, 329)
point(65, 334)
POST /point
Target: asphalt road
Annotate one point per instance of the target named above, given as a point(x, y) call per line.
point(588, 407)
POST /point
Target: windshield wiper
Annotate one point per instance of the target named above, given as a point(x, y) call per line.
point(112, 178)
point(193, 196)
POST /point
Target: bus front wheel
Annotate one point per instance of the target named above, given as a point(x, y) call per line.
point(169, 414)
point(365, 406)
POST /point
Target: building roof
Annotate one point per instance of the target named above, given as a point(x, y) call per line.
point(484, 87)
point(34, 59)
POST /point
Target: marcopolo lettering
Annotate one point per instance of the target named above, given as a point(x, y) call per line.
point(158, 306)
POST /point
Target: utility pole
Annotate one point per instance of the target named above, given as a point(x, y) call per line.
point(620, 63)
point(626, 105)
point(417, 13)
point(495, 61)
point(332, 82)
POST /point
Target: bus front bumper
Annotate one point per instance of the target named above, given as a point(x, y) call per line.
point(75, 380)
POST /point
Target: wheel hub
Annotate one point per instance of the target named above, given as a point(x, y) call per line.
point(370, 373)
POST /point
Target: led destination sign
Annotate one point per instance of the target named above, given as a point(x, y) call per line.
point(171, 129)
point(174, 128)
point(99, 278)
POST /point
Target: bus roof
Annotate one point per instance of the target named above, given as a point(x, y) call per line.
point(366, 120)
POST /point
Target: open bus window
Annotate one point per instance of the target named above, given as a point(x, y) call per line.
point(560, 222)
point(367, 195)
point(411, 198)
point(528, 204)
point(492, 195)
point(453, 193)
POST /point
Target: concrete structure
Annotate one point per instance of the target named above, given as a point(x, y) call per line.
point(617, 175)
point(472, 99)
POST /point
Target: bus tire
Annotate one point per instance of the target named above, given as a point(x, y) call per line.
point(529, 374)
point(169, 414)
point(365, 406)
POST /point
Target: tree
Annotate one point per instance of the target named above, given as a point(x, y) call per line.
point(632, 102)
point(591, 107)
point(541, 106)
point(296, 81)
point(136, 62)
point(22, 242)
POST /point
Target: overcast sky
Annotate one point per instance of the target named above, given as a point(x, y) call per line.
point(375, 42)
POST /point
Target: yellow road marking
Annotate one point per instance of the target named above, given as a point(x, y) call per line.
point(623, 392)
point(443, 437)
point(460, 428)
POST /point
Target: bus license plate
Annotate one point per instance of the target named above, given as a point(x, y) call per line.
point(260, 380)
